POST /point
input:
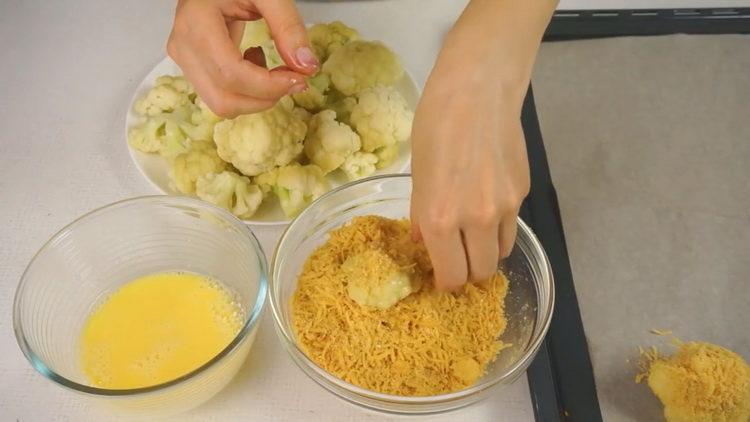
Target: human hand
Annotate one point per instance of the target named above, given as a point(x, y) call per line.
point(204, 41)
point(470, 170)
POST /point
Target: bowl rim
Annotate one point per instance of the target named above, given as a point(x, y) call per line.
point(538, 334)
point(250, 322)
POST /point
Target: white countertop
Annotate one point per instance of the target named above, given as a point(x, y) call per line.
point(67, 70)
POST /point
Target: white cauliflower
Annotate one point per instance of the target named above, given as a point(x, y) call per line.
point(326, 38)
point(168, 94)
point(295, 186)
point(360, 65)
point(161, 134)
point(342, 106)
point(359, 165)
point(314, 97)
point(257, 34)
point(329, 142)
point(303, 114)
point(386, 155)
point(381, 117)
point(256, 143)
point(231, 191)
point(199, 160)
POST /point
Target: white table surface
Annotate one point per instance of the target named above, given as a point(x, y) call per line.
point(67, 70)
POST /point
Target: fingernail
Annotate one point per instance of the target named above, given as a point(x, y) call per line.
point(296, 89)
point(306, 58)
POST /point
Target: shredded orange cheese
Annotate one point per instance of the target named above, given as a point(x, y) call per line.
point(427, 343)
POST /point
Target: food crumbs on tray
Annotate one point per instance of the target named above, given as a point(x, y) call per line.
point(700, 382)
point(157, 328)
point(366, 310)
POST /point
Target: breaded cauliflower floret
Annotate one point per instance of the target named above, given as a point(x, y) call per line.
point(295, 186)
point(199, 160)
point(326, 38)
point(230, 191)
point(328, 142)
point(382, 118)
point(360, 65)
point(359, 165)
point(256, 143)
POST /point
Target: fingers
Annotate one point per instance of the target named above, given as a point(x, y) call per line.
point(482, 250)
point(289, 34)
point(507, 235)
point(444, 243)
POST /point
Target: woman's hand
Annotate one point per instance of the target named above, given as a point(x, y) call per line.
point(469, 162)
point(204, 41)
point(470, 173)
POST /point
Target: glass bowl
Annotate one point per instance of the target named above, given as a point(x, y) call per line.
point(528, 305)
point(93, 256)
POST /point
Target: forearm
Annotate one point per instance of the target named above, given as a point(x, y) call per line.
point(499, 37)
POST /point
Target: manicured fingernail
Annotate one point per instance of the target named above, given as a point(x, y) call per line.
point(306, 58)
point(295, 89)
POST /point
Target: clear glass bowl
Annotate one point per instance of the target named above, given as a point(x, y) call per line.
point(96, 254)
point(528, 305)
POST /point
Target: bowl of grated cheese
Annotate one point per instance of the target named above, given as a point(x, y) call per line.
point(354, 306)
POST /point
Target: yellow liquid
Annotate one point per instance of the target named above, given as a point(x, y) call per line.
point(157, 328)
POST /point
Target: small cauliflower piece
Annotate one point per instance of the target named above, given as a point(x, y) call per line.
point(146, 137)
point(201, 159)
point(325, 38)
point(255, 34)
point(328, 142)
point(382, 118)
point(295, 186)
point(343, 108)
point(386, 155)
point(168, 94)
point(256, 143)
point(359, 165)
point(314, 97)
point(374, 279)
point(360, 65)
point(231, 191)
point(303, 114)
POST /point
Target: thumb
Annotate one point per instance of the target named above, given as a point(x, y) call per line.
point(289, 34)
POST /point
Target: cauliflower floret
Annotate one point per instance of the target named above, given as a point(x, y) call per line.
point(382, 118)
point(145, 137)
point(295, 186)
point(314, 97)
point(257, 34)
point(256, 143)
point(359, 65)
point(168, 94)
point(359, 165)
point(303, 114)
point(386, 155)
point(343, 107)
point(230, 191)
point(375, 279)
point(326, 38)
point(200, 160)
point(329, 142)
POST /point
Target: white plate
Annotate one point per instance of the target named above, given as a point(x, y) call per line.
point(156, 169)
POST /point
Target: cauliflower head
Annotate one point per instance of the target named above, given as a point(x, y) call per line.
point(256, 143)
point(231, 191)
point(328, 142)
point(359, 165)
point(360, 65)
point(199, 160)
point(168, 94)
point(295, 185)
point(381, 117)
point(314, 97)
point(326, 38)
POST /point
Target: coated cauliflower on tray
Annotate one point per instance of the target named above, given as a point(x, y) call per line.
point(351, 120)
